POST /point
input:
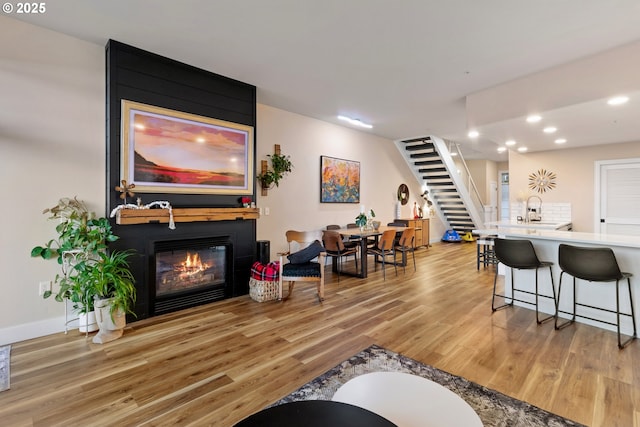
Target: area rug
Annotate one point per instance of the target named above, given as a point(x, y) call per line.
point(5, 364)
point(494, 409)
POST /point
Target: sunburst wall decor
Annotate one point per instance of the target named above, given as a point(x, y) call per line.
point(542, 180)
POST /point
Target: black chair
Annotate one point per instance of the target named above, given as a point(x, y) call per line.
point(485, 251)
point(520, 255)
point(594, 265)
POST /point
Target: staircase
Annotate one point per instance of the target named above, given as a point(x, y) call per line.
point(433, 166)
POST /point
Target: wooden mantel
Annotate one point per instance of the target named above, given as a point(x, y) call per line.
point(161, 216)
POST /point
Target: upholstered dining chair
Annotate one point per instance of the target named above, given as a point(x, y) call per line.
point(405, 245)
point(336, 248)
point(384, 249)
point(304, 247)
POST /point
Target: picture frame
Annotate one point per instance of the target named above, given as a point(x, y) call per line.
point(339, 180)
point(168, 151)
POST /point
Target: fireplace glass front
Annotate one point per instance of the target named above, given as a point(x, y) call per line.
point(190, 272)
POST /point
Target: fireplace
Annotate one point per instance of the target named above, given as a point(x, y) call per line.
point(190, 272)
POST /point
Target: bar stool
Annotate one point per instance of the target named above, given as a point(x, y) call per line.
point(594, 265)
point(520, 255)
point(486, 254)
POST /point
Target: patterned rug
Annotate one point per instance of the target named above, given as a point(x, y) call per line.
point(494, 409)
point(5, 352)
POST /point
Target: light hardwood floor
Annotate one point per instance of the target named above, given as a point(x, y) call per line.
point(216, 364)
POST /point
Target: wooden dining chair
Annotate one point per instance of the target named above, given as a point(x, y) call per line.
point(304, 247)
point(384, 249)
point(336, 248)
point(405, 245)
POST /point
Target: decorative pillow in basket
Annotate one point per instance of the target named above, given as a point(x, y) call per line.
point(263, 284)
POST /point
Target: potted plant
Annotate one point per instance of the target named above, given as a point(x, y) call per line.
point(111, 282)
point(366, 220)
point(80, 237)
point(280, 166)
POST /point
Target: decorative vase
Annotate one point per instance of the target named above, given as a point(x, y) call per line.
point(398, 210)
point(111, 324)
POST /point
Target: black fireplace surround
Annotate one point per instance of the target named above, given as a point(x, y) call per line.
point(137, 75)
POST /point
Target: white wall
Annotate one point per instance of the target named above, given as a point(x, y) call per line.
point(52, 144)
point(575, 176)
point(295, 204)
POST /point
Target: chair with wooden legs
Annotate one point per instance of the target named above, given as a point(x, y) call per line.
point(336, 248)
point(405, 245)
point(383, 250)
point(520, 255)
point(304, 247)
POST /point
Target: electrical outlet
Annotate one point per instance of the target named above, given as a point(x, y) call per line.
point(44, 287)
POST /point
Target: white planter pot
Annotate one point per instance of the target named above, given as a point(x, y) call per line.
point(87, 322)
point(111, 325)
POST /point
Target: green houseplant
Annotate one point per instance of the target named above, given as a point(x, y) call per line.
point(111, 282)
point(280, 166)
point(363, 219)
point(80, 237)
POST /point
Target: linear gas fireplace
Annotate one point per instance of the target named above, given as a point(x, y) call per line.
point(190, 272)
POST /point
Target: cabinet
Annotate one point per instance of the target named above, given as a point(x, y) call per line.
point(422, 229)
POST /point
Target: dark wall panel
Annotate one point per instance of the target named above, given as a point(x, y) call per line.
point(137, 75)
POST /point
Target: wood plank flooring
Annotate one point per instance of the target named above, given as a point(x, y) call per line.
point(216, 364)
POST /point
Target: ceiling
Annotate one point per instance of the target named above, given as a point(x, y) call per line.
point(410, 68)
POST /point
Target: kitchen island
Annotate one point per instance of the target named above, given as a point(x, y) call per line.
point(535, 225)
point(546, 242)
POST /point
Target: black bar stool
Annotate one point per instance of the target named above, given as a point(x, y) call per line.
point(594, 265)
point(520, 255)
point(485, 252)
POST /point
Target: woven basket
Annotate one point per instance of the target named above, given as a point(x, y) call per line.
point(263, 290)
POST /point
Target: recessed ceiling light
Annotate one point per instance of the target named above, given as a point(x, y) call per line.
point(522, 149)
point(617, 100)
point(560, 141)
point(356, 122)
point(549, 129)
point(534, 118)
point(502, 149)
point(473, 134)
point(510, 142)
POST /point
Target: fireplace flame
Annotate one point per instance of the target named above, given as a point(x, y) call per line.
point(193, 264)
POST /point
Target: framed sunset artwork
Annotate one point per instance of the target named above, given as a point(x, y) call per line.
point(168, 151)
point(339, 180)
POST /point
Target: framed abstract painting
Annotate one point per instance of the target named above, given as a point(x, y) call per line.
point(339, 180)
point(168, 151)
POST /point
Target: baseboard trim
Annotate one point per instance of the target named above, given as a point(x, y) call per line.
point(27, 331)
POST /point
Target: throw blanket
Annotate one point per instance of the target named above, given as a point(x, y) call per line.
point(265, 272)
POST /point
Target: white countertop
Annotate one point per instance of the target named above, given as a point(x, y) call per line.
point(602, 239)
point(538, 225)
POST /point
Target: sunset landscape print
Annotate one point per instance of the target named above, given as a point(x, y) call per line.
point(179, 154)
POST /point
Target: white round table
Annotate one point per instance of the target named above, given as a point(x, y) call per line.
point(408, 400)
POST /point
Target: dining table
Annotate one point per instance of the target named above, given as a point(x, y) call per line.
point(364, 235)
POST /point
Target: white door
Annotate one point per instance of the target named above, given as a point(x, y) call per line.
point(618, 186)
